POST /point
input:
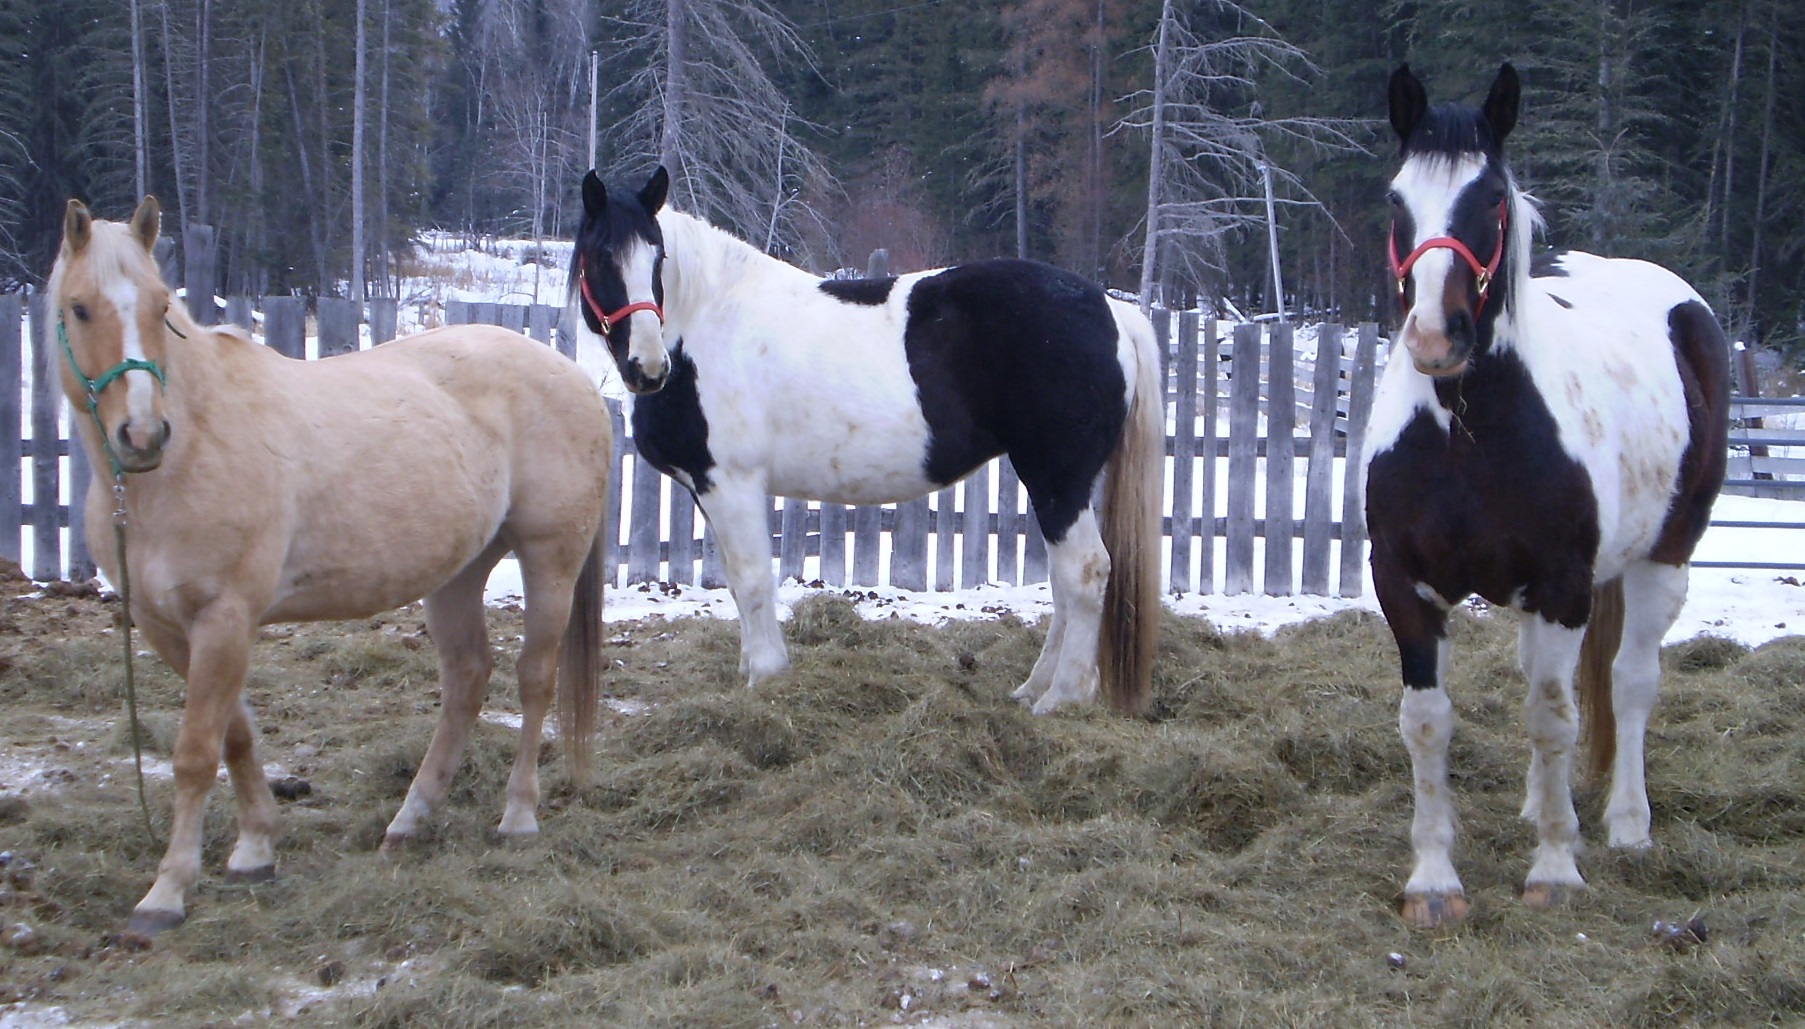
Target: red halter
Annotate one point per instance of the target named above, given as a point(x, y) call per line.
point(1482, 273)
point(609, 321)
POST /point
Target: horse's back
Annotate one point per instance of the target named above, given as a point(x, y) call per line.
point(1635, 369)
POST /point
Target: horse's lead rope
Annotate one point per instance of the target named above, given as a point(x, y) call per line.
point(131, 691)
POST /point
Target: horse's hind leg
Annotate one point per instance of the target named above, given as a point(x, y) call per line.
point(1041, 676)
point(1652, 597)
point(546, 578)
point(1080, 571)
point(455, 619)
point(1550, 655)
point(738, 512)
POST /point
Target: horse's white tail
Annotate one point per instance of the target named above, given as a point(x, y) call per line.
point(580, 665)
point(1134, 482)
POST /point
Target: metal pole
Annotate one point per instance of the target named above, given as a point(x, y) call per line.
point(1272, 235)
point(594, 57)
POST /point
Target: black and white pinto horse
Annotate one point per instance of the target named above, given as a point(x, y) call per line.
point(753, 377)
point(1551, 441)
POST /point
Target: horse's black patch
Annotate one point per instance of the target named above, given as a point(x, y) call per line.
point(669, 427)
point(1563, 301)
point(1018, 357)
point(1702, 355)
point(1494, 506)
point(869, 292)
point(1546, 264)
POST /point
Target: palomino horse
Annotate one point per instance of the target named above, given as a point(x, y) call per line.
point(755, 377)
point(258, 489)
point(1552, 442)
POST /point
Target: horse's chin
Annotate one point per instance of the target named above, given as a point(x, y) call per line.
point(135, 461)
point(1440, 371)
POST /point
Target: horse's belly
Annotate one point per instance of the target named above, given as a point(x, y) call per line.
point(849, 474)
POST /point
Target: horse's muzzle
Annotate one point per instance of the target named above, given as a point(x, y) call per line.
point(138, 451)
point(638, 382)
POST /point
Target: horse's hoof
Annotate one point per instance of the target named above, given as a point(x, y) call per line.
point(1434, 910)
point(516, 839)
point(150, 922)
point(1543, 896)
point(265, 874)
point(392, 844)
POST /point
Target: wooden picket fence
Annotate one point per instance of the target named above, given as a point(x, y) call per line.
point(1250, 420)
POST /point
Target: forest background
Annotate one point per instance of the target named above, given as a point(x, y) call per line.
point(309, 131)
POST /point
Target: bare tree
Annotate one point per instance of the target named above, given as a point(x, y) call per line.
point(1209, 138)
point(703, 104)
point(359, 95)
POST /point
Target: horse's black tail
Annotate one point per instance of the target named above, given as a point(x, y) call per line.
point(1592, 686)
point(1129, 634)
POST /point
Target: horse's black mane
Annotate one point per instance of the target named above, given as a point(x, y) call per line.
point(1451, 130)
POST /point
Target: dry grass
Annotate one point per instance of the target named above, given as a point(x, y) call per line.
point(814, 852)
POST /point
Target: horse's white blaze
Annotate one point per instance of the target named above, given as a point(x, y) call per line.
point(1429, 189)
point(140, 385)
point(647, 339)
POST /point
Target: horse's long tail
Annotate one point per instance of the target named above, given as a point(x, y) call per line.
point(1604, 632)
point(580, 666)
point(1135, 479)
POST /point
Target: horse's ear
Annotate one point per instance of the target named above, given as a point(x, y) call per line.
point(78, 226)
point(1409, 101)
point(146, 220)
point(595, 195)
point(657, 188)
point(1501, 103)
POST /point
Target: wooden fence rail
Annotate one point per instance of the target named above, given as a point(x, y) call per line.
point(1251, 419)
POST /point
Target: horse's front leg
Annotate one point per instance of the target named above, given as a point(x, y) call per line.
point(218, 654)
point(1433, 896)
point(1550, 655)
point(737, 508)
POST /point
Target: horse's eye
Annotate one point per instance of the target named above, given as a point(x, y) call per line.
point(80, 311)
point(1395, 199)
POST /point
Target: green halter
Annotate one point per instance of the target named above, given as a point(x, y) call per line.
point(92, 387)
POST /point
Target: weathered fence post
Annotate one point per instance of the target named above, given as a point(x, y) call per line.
point(1243, 456)
point(1184, 448)
point(285, 325)
point(833, 543)
point(1281, 457)
point(1353, 512)
point(12, 440)
point(909, 546)
point(611, 509)
point(643, 531)
point(81, 563)
point(974, 527)
point(867, 544)
point(945, 526)
point(1207, 389)
point(385, 315)
point(239, 312)
point(46, 537)
point(200, 260)
point(337, 320)
point(682, 552)
point(793, 539)
point(1319, 479)
point(1009, 523)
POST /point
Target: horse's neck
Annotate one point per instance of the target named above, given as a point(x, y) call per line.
point(705, 267)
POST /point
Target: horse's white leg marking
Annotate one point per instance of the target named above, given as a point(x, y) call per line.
point(455, 620)
point(1532, 777)
point(1426, 722)
point(219, 643)
point(1550, 654)
point(1080, 570)
point(254, 855)
point(736, 509)
point(546, 580)
point(1652, 597)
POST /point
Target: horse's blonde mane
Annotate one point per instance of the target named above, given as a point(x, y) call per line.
point(1525, 224)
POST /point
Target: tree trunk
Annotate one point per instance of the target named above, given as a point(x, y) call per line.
point(175, 135)
point(141, 184)
point(203, 34)
point(358, 96)
point(1162, 54)
point(1767, 138)
point(676, 27)
point(382, 162)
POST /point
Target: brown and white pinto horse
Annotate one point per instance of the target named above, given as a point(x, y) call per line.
point(1551, 441)
point(258, 489)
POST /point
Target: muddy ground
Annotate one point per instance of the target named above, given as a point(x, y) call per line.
point(883, 837)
